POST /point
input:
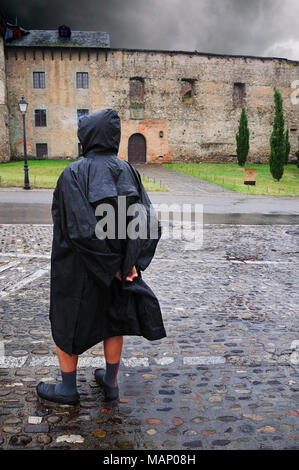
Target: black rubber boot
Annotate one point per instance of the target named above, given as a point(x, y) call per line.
point(47, 392)
point(110, 393)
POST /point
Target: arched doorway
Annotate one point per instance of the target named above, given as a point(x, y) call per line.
point(137, 149)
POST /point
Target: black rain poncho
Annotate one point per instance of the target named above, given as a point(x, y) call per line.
point(87, 302)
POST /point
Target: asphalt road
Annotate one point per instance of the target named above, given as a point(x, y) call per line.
point(34, 207)
point(219, 205)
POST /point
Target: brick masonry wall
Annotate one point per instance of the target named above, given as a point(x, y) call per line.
point(198, 129)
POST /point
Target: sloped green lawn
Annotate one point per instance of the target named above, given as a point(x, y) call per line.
point(231, 176)
point(44, 174)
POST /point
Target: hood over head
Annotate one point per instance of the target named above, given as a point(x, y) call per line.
point(99, 132)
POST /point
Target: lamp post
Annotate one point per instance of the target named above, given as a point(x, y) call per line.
point(23, 108)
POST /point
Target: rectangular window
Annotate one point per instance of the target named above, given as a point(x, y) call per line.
point(41, 150)
point(40, 116)
point(239, 93)
point(187, 90)
point(82, 79)
point(82, 112)
point(136, 90)
point(39, 80)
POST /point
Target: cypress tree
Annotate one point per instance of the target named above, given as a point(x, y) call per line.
point(277, 139)
point(242, 138)
point(287, 146)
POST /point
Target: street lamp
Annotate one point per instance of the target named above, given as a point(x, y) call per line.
point(23, 108)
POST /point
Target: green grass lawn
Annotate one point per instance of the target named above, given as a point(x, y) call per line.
point(231, 176)
point(44, 174)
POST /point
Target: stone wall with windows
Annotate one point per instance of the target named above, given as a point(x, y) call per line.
point(187, 105)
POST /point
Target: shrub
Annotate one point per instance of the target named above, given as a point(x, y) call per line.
point(242, 138)
point(277, 139)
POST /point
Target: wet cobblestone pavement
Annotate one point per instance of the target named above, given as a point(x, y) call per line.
point(226, 376)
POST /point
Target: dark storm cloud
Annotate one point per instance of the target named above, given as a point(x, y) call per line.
point(252, 27)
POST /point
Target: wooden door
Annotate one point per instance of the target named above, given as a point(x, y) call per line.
point(137, 149)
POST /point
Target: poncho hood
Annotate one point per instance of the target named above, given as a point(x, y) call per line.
point(99, 133)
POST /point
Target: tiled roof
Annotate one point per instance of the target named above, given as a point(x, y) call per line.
point(51, 38)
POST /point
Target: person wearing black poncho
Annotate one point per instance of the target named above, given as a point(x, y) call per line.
point(97, 292)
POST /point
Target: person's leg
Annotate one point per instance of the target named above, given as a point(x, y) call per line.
point(68, 369)
point(67, 363)
point(112, 350)
point(66, 390)
point(107, 378)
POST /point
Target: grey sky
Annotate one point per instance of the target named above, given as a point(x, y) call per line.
point(250, 27)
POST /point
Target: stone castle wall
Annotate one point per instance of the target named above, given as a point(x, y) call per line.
point(198, 127)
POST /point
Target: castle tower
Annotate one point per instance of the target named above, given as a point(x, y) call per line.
point(4, 116)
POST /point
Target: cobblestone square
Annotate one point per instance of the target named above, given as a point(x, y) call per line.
point(226, 376)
